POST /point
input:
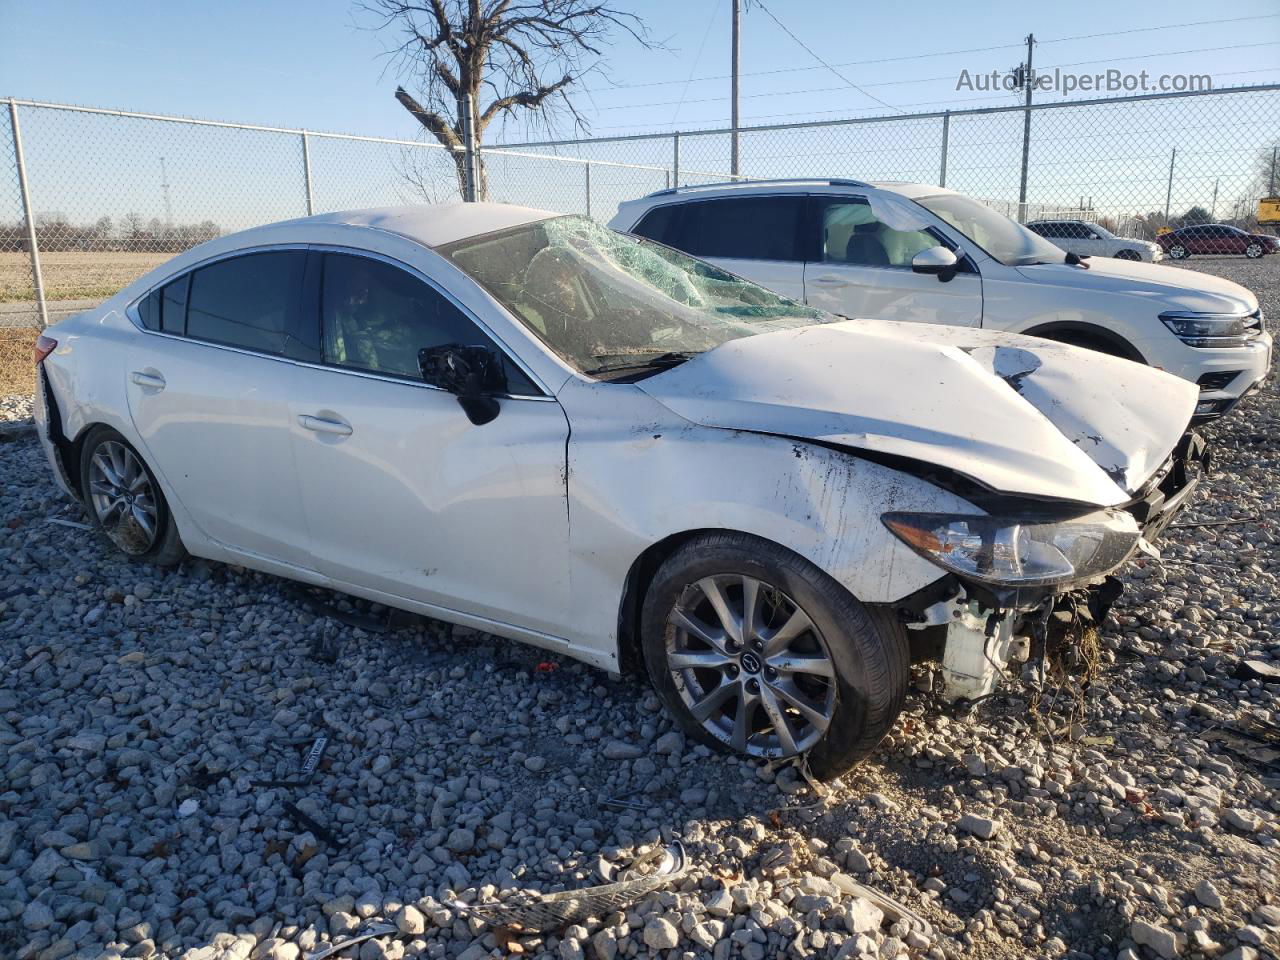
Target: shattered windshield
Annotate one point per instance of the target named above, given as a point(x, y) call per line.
point(607, 302)
point(1004, 239)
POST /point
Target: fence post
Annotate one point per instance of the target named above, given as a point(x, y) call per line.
point(306, 174)
point(946, 136)
point(33, 246)
point(1168, 194)
point(469, 185)
point(587, 167)
point(675, 160)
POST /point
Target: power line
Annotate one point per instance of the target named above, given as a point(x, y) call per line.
point(806, 49)
point(926, 56)
point(890, 83)
point(715, 9)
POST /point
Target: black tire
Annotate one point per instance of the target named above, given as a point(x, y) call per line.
point(1128, 255)
point(1178, 252)
point(866, 646)
point(1087, 341)
point(163, 547)
point(1253, 251)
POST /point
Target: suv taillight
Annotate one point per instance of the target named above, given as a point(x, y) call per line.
point(44, 347)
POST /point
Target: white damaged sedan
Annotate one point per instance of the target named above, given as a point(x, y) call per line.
point(531, 425)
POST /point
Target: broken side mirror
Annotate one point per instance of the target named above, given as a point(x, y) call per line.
point(939, 261)
point(472, 374)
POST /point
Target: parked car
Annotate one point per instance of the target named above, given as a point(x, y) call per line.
point(1216, 239)
point(1090, 239)
point(898, 251)
point(535, 426)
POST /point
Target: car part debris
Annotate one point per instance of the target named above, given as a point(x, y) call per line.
point(75, 524)
point(310, 763)
point(535, 913)
point(368, 933)
point(617, 804)
point(895, 910)
point(394, 619)
point(311, 823)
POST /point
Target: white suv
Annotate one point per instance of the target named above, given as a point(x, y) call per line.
point(1094, 240)
point(900, 251)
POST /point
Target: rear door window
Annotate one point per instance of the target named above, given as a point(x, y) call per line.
point(742, 228)
point(252, 301)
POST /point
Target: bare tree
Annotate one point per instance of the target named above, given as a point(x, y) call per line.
point(521, 56)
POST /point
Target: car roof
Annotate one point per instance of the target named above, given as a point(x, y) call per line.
point(789, 185)
point(434, 225)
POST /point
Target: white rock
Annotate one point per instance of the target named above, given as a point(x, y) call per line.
point(1163, 941)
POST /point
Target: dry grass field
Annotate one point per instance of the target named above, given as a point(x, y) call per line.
point(17, 373)
point(73, 275)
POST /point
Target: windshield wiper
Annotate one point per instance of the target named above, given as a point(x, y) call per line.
point(672, 359)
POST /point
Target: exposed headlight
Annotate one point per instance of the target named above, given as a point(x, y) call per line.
point(1014, 553)
point(1211, 329)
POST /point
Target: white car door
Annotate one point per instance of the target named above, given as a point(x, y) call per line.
point(209, 395)
point(1087, 241)
point(862, 267)
point(403, 494)
point(755, 236)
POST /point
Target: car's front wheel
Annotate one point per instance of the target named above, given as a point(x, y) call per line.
point(1178, 252)
point(125, 501)
point(754, 649)
point(1128, 255)
point(1253, 251)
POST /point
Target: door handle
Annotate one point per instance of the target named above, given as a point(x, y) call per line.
point(321, 425)
point(152, 380)
point(831, 281)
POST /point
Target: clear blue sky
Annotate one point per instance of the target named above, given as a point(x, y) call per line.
point(309, 64)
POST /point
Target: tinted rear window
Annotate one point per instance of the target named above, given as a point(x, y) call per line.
point(748, 228)
point(657, 224)
point(248, 301)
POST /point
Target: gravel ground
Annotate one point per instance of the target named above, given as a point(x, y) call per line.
point(138, 706)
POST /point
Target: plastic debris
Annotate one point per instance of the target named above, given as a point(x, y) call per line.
point(535, 913)
point(895, 910)
point(367, 933)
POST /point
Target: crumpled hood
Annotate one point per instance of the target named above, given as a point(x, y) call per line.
point(1169, 288)
point(1018, 414)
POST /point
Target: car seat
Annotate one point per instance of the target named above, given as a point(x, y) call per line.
point(865, 248)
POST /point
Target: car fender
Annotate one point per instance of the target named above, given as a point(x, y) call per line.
point(639, 474)
point(1017, 305)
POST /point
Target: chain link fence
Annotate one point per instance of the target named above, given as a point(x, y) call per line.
point(1136, 163)
point(90, 199)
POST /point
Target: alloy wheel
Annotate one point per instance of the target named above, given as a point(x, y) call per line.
point(1177, 251)
point(751, 666)
point(122, 497)
point(1253, 251)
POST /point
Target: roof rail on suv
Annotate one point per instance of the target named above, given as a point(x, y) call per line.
point(690, 188)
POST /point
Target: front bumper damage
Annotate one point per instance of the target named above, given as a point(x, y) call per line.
point(976, 632)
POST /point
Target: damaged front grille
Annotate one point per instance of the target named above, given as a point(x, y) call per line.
point(1171, 486)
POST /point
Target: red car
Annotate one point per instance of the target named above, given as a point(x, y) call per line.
point(1216, 238)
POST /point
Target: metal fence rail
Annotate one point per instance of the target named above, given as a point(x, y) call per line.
point(92, 198)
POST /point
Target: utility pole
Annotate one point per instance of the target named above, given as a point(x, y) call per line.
point(1272, 191)
point(733, 93)
point(1168, 194)
point(164, 185)
point(1213, 211)
point(1028, 81)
